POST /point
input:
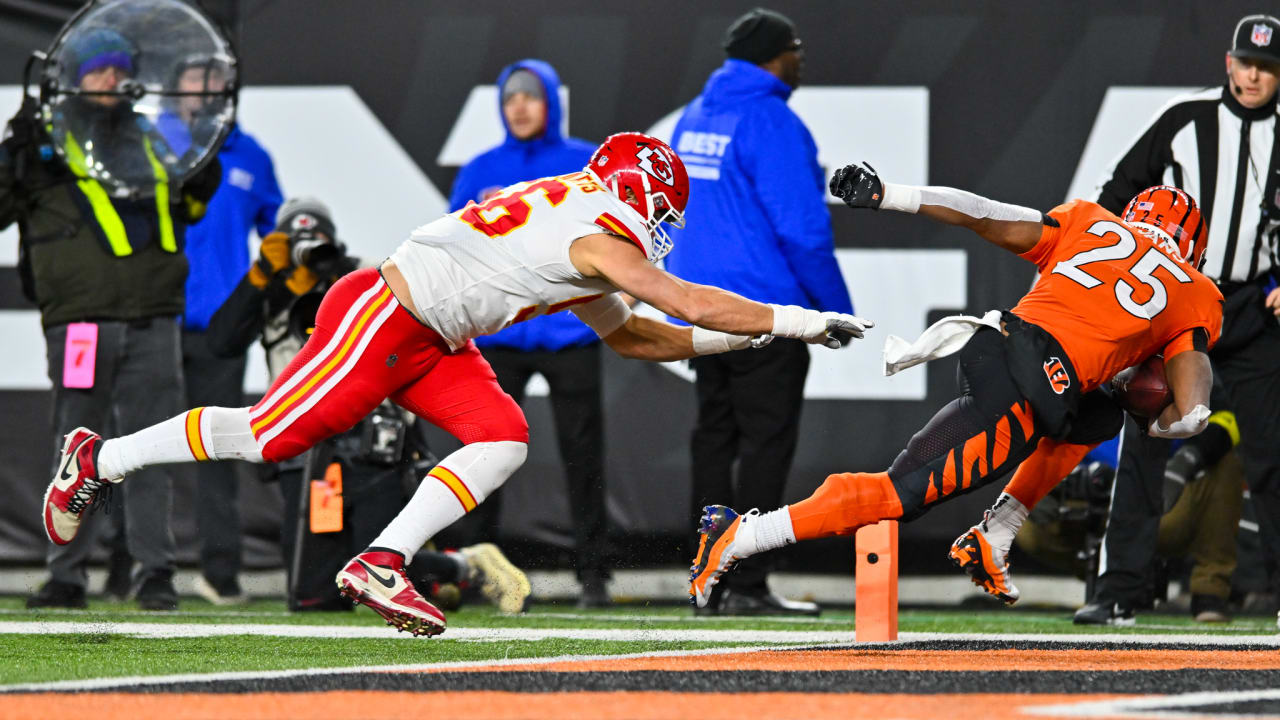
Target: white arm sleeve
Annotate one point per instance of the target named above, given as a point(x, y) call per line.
point(604, 315)
point(909, 198)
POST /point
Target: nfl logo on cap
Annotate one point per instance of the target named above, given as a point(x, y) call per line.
point(1253, 39)
point(1261, 35)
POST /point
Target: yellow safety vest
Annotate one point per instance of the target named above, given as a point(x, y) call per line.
point(105, 213)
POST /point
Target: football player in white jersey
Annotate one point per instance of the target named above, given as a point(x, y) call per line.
point(404, 331)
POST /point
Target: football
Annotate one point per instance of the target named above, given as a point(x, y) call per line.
point(1142, 389)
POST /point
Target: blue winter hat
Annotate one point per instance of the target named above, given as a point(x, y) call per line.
point(99, 48)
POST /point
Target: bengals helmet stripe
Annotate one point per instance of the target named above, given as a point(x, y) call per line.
point(1151, 213)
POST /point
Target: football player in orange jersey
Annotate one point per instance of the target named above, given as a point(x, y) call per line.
point(1112, 292)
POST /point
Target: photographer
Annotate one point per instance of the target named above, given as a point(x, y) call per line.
point(369, 471)
point(104, 263)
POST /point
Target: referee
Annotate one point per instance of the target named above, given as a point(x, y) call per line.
point(1222, 145)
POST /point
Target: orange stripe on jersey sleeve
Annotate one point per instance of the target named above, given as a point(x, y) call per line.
point(615, 226)
point(195, 443)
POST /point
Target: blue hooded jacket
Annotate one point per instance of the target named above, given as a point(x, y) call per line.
point(757, 222)
point(517, 161)
point(217, 247)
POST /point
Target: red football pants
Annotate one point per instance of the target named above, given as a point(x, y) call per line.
point(367, 347)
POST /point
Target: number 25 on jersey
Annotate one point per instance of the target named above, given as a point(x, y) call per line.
point(1143, 270)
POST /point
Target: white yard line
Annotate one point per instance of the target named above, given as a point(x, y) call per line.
point(105, 683)
point(487, 634)
point(1183, 705)
point(475, 634)
point(761, 640)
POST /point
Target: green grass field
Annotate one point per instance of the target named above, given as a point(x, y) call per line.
point(102, 645)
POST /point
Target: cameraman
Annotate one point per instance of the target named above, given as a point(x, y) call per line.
point(376, 460)
point(106, 270)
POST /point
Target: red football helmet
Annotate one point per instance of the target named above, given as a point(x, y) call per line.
point(645, 173)
point(1170, 215)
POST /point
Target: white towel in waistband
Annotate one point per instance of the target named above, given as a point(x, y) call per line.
point(940, 340)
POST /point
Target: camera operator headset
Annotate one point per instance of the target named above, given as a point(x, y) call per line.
point(380, 459)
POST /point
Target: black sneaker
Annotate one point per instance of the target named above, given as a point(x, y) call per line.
point(55, 594)
point(763, 602)
point(1209, 609)
point(157, 593)
point(1104, 614)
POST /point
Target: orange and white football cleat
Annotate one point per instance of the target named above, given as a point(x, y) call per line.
point(376, 579)
point(75, 487)
point(717, 551)
point(972, 553)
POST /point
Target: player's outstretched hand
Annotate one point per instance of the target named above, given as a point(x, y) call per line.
point(833, 329)
point(858, 186)
point(841, 329)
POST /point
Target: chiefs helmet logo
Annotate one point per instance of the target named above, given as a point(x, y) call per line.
point(303, 221)
point(1057, 374)
point(652, 161)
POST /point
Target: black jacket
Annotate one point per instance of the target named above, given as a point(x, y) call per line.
point(68, 267)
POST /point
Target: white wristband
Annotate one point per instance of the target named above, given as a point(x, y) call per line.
point(903, 198)
point(791, 321)
point(711, 342)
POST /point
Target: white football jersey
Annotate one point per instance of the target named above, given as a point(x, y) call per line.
point(487, 266)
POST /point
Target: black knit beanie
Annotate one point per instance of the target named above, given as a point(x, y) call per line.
point(759, 36)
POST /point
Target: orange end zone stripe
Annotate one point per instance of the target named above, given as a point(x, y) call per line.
point(337, 358)
point(194, 442)
point(455, 485)
point(616, 226)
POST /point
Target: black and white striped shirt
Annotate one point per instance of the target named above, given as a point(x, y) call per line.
point(1224, 155)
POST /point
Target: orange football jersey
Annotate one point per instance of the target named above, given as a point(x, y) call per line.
point(1112, 296)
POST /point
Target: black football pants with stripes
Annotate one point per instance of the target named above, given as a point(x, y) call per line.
point(976, 438)
point(973, 440)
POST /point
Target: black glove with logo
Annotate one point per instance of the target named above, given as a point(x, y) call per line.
point(858, 186)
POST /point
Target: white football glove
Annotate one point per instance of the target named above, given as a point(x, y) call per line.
point(1190, 424)
point(832, 329)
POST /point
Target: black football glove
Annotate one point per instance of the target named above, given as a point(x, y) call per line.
point(858, 186)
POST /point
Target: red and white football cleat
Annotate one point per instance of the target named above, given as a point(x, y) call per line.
point(375, 578)
point(972, 553)
point(75, 487)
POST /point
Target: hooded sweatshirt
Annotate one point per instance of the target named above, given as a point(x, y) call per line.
point(515, 160)
point(757, 221)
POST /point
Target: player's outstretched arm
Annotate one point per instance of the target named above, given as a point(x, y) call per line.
point(1012, 227)
point(1190, 377)
point(617, 261)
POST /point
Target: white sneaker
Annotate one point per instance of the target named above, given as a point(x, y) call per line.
point(207, 591)
point(500, 582)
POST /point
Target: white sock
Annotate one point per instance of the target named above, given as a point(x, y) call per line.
point(1002, 523)
point(208, 433)
point(769, 531)
point(452, 489)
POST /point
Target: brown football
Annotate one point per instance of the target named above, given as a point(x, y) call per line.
point(1142, 389)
